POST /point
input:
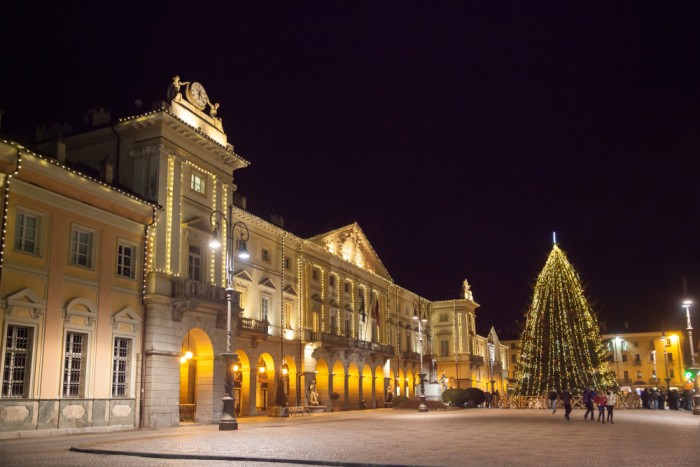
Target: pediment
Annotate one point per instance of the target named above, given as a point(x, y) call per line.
point(316, 298)
point(267, 282)
point(290, 290)
point(198, 223)
point(243, 275)
point(350, 244)
point(25, 299)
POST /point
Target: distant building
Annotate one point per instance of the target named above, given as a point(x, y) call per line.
point(639, 360)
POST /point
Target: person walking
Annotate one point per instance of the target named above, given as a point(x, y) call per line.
point(600, 401)
point(588, 397)
point(610, 404)
point(566, 400)
point(553, 400)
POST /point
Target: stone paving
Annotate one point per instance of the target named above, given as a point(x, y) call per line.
point(385, 437)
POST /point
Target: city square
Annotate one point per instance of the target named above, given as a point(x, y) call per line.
point(443, 438)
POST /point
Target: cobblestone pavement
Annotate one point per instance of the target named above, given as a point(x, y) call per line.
point(385, 437)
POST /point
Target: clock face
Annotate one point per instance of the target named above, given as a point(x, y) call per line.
point(197, 95)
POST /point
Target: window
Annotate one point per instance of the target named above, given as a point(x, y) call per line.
point(74, 364)
point(652, 357)
point(126, 261)
point(347, 327)
point(623, 345)
point(198, 183)
point(27, 233)
point(513, 358)
point(624, 358)
point(627, 375)
point(120, 367)
point(331, 279)
point(637, 358)
point(264, 307)
point(81, 247)
point(194, 263)
point(287, 263)
point(669, 357)
point(241, 245)
point(444, 317)
point(347, 286)
point(635, 343)
point(287, 315)
point(444, 348)
point(18, 356)
point(639, 374)
point(266, 255)
point(314, 274)
point(670, 373)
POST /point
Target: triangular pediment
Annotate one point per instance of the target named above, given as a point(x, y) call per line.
point(198, 223)
point(350, 244)
point(316, 298)
point(243, 275)
point(267, 282)
point(290, 290)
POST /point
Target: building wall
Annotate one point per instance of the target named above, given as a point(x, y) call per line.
point(70, 308)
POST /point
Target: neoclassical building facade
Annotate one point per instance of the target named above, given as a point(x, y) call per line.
point(320, 311)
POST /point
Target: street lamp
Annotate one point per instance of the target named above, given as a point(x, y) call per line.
point(492, 357)
point(686, 305)
point(228, 415)
point(696, 396)
point(422, 407)
point(668, 380)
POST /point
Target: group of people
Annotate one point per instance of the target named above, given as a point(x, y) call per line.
point(604, 401)
point(659, 399)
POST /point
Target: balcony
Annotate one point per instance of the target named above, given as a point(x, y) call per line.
point(476, 359)
point(250, 326)
point(333, 340)
point(407, 355)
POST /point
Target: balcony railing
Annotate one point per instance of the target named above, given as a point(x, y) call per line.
point(188, 288)
point(406, 355)
point(252, 326)
point(348, 342)
point(476, 359)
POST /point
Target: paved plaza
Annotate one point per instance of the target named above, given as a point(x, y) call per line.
point(382, 437)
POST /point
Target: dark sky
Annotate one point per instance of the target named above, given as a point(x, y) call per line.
point(458, 136)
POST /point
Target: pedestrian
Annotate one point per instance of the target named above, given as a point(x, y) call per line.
point(487, 399)
point(553, 400)
point(600, 401)
point(662, 400)
point(653, 399)
point(588, 398)
point(566, 400)
point(610, 404)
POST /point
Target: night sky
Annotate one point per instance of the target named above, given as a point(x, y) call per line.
point(458, 136)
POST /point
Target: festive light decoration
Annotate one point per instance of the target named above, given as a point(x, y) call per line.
point(561, 347)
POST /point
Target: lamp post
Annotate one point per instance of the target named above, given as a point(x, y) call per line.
point(668, 380)
point(696, 397)
point(421, 321)
point(228, 415)
point(492, 357)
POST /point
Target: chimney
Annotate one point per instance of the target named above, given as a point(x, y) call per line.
point(277, 220)
point(239, 201)
point(61, 149)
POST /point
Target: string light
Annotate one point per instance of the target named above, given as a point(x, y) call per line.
point(561, 345)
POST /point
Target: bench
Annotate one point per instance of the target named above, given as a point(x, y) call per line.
point(297, 410)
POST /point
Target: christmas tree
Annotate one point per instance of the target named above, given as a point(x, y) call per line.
point(560, 347)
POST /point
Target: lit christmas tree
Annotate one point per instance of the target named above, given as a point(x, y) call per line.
point(560, 346)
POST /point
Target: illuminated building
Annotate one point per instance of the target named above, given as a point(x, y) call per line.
point(71, 289)
point(323, 309)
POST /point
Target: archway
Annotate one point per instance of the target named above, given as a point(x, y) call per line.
point(290, 380)
point(401, 384)
point(354, 399)
point(369, 400)
point(339, 385)
point(410, 384)
point(382, 386)
point(322, 386)
point(241, 384)
point(265, 396)
point(196, 377)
